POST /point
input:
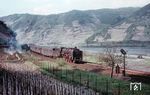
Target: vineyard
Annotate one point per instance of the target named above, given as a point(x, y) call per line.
point(35, 84)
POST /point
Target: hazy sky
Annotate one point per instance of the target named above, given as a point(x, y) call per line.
point(45, 7)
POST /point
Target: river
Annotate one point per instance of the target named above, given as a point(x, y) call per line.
point(130, 50)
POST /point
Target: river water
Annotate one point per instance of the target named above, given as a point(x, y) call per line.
point(132, 62)
point(130, 50)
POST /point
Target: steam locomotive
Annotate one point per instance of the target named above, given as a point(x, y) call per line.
point(69, 54)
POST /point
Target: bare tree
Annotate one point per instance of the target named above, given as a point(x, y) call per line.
point(111, 58)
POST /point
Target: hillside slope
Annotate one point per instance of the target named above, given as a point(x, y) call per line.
point(136, 27)
point(71, 28)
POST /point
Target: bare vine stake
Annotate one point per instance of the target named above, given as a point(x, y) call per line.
point(40, 85)
point(4, 87)
point(7, 81)
point(16, 83)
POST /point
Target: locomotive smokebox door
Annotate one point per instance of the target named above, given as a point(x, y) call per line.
point(77, 55)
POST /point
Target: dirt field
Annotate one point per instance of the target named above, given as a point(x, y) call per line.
point(97, 68)
point(133, 68)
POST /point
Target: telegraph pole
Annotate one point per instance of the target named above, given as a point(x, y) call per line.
point(124, 65)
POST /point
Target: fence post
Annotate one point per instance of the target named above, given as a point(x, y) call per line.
point(88, 81)
point(66, 74)
point(107, 87)
point(100, 92)
point(50, 69)
point(80, 82)
point(53, 69)
point(80, 78)
point(61, 73)
point(119, 88)
point(132, 92)
point(96, 83)
point(72, 76)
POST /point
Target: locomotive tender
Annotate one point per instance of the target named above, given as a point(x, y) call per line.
point(69, 54)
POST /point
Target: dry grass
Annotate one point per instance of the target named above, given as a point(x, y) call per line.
point(94, 58)
point(58, 63)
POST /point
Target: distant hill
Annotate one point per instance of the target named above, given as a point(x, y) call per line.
point(135, 28)
point(74, 27)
